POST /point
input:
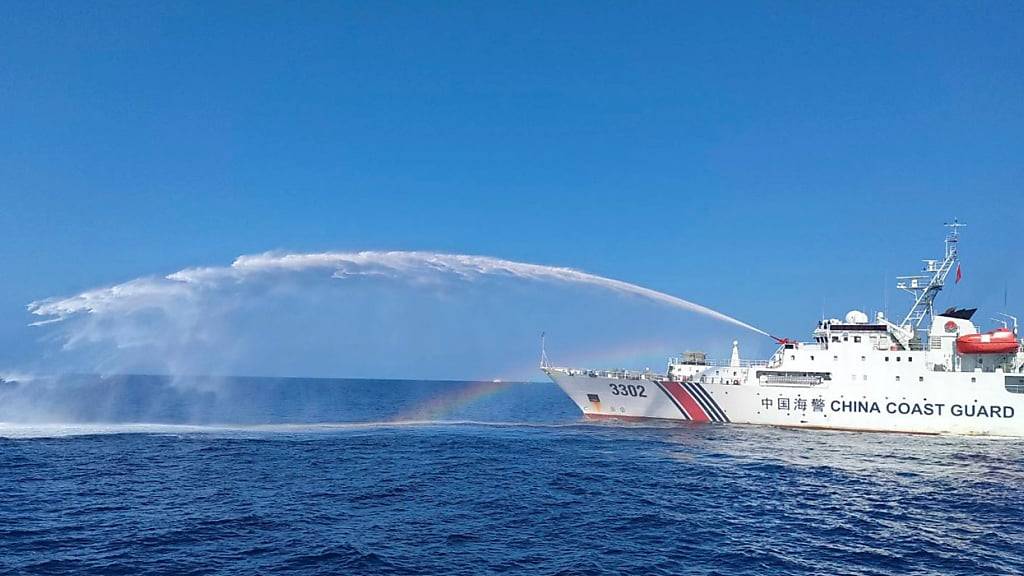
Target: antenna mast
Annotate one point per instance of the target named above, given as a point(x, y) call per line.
point(926, 287)
point(543, 352)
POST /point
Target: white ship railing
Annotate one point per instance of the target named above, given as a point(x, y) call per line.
point(614, 374)
point(711, 363)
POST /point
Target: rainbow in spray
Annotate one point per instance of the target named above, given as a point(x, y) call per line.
point(439, 406)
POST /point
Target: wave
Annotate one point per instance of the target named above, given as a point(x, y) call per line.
point(61, 430)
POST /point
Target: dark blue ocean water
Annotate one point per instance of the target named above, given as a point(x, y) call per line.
point(250, 476)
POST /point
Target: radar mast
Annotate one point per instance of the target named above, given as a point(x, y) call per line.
point(926, 287)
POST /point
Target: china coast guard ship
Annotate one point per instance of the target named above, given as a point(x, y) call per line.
point(931, 373)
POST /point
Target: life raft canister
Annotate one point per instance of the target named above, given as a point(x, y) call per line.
point(1001, 341)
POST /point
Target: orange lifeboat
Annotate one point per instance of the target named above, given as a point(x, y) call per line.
point(1001, 341)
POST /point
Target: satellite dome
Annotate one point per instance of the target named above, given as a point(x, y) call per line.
point(856, 317)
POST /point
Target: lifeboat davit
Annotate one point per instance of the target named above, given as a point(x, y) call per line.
point(1001, 341)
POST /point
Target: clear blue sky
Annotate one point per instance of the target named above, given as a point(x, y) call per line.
point(754, 158)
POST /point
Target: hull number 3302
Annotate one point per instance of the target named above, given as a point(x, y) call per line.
point(628, 390)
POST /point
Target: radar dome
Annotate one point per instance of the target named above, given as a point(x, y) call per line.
point(856, 317)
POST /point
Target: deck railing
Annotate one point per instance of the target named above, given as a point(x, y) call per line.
point(617, 374)
point(713, 363)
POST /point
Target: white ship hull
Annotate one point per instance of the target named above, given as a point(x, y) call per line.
point(985, 407)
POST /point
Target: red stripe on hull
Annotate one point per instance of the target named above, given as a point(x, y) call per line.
point(685, 400)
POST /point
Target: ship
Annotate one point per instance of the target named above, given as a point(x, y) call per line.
point(930, 373)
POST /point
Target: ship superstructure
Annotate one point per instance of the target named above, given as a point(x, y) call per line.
point(932, 372)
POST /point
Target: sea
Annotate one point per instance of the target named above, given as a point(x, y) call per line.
point(189, 476)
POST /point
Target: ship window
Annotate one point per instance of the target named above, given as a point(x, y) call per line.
point(835, 338)
point(791, 357)
point(863, 358)
point(920, 378)
point(865, 377)
point(897, 378)
point(886, 358)
point(812, 357)
point(910, 358)
point(1015, 384)
point(856, 338)
point(973, 379)
point(834, 358)
point(846, 338)
point(898, 358)
point(593, 397)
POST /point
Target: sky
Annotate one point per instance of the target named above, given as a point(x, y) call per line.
point(773, 161)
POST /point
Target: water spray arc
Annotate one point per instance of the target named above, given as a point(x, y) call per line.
point(190, 283)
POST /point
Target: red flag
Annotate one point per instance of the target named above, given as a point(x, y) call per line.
point(959, 274)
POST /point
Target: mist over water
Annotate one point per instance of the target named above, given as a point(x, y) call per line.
point(370, 314)
point(85, 401)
